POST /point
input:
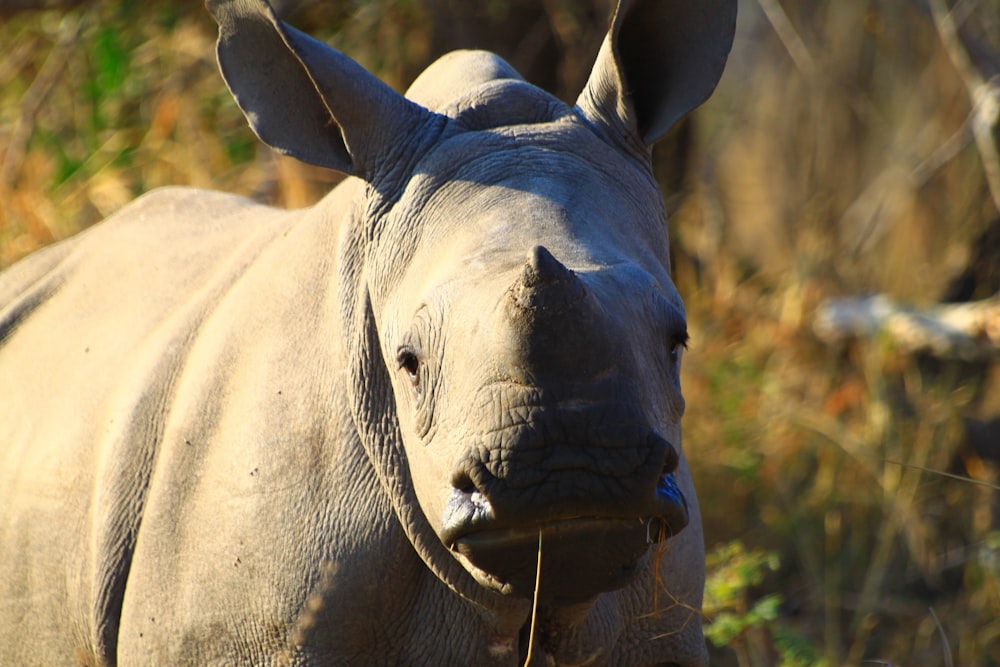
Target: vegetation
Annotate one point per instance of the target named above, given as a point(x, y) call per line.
point(850, 491)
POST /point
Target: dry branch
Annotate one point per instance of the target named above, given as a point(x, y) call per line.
point(969, 331)
point(34, 98)
point(984, 95)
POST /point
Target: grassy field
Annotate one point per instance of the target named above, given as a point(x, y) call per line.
point(850, 490)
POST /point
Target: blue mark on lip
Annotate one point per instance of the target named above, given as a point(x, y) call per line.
point(667, 489)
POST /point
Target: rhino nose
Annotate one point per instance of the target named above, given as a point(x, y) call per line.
point(595, 529)
point(544, 481)
point(552, 326)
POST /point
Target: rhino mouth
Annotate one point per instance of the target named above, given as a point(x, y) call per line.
point(582, 556)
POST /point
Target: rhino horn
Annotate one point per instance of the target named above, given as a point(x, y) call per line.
point(309, 101)
point(660, 60)
point(546, 283)
point(553, 324)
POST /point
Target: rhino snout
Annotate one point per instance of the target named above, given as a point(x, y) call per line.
point(599, 528)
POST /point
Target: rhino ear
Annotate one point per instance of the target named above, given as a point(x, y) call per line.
point(660, 60)
point(305, 99)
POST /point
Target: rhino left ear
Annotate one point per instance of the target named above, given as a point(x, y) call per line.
point(660, 60)
point(305, 99)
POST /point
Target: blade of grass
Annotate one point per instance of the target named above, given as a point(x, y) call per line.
point(949, 475)
point(944, 638)
point(534, 603)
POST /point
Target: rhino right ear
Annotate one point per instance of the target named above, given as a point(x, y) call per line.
point(660, 60)
point(305, 99)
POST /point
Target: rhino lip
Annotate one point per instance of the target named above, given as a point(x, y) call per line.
point(584, 556)
point(469, 519)
point(464, 513)
point(514, 537)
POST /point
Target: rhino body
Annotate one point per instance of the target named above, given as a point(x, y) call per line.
point(231, 434)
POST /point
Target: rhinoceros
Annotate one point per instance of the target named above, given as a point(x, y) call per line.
point(432, 420)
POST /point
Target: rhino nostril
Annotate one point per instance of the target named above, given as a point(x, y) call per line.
point(463, 483)
point(669, 467)
point(670, 458)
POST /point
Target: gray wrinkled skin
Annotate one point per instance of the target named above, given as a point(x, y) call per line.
point(231, 434)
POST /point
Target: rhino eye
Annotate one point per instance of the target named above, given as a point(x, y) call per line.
point(410, 364)
point(677, 343)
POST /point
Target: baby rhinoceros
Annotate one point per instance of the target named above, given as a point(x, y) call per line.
point(236, 435)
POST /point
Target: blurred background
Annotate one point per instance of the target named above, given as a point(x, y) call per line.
point(841, 186)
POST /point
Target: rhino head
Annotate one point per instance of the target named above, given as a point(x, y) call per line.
point(513, 335)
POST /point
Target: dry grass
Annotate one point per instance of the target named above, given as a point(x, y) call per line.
point(840, 162)
point(840, 156)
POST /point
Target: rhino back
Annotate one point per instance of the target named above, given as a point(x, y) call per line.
point(188, 316)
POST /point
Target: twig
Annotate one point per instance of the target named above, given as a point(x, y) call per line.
point(985, 95)
point(35, 96)
point(944, 638)
point(534, 603)
point(986, 99)
point(790, 39)
point(864, 212)
point(958, 330)
point(942, 473)
point(813, 69)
